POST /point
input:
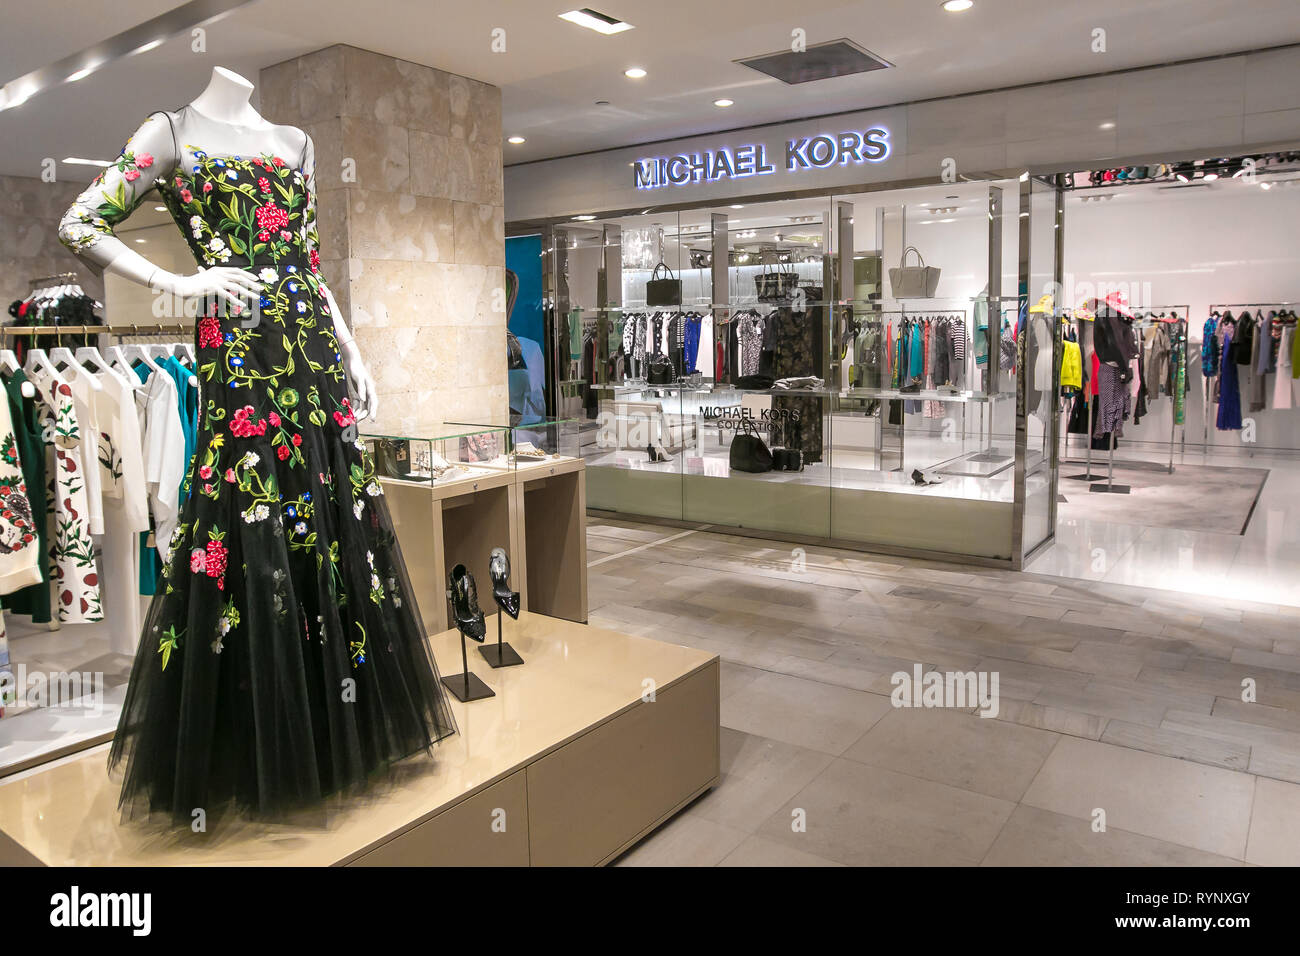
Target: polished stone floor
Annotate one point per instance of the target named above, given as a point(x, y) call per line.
point(1261, 565)
point(1121, 737)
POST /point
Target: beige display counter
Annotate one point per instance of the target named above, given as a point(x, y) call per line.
point(597, 739)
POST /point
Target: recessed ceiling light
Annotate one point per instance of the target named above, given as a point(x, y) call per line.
point(142, 240)
point(1108, 125)
point(80, 74)
point(516, 140)
point(159, 208)
point(592, 20)
point(738, 206)
point(1265, 185)
point(151, 45)
point(724, 103)
point(957, 6)
point(583, 218)
point(75, 161)
point(634, 73)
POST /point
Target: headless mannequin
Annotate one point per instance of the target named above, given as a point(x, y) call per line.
point(232, 126)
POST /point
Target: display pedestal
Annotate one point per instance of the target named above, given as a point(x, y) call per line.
point(568, 765)
point(498, 653)
point(551, 504)
point(537, 511)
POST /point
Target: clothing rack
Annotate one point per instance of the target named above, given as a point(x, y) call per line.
point(1205, 431)
point(1138, 322)
point(117, 330)
point(59, 278)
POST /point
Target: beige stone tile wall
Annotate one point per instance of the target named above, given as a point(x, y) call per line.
point(412, 222)
point(29, 236)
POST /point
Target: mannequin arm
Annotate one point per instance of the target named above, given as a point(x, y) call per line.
point(358, 376)
point(150, 156)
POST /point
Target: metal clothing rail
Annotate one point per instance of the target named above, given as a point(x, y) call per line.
point(1248, 305)
point(64, 278)
point(118, 330)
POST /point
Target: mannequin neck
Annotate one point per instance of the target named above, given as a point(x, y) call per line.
point(226, 99)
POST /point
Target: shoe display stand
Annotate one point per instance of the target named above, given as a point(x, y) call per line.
point(536, 510)
point(571, 763)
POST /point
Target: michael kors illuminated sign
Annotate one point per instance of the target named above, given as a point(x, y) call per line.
point(805, 152)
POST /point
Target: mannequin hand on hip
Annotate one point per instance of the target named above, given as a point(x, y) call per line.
point(238, 288)
point(363, 385)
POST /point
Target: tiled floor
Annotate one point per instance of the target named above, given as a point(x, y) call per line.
point(1261, 565)
point(1121, 736)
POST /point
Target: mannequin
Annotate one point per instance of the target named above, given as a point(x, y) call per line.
point(283, 579)
point(225, 101)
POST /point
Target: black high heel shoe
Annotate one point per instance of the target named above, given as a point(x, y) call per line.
point(463, 594)
point(501, 654)
point(499, 570)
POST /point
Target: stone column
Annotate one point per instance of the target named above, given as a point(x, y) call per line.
point(412, 225)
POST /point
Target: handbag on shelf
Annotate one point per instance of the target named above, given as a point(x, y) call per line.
point(913, 281)
point(663, 290)
point(393, 457)
point(660, 370)
point(787, 459)
point(775, 283)
point(749, 452)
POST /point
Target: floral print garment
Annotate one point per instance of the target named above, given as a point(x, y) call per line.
point(19, 544)
point(283, 656)
point(73, 569)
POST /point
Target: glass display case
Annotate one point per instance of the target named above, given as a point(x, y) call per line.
point(531, 442)
point(880, 346)
point(440, 454)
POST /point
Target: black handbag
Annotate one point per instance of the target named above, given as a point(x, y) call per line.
point(787, 459)
point(777, 283)
point(749, 452)
point(663, 291)
point(660, 370)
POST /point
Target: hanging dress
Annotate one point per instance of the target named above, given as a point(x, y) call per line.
point(1229, 396)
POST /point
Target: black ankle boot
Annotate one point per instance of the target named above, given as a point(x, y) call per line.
point(463, 596)
point(499, 569)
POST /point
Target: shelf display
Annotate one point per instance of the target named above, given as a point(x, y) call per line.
point(793, 391)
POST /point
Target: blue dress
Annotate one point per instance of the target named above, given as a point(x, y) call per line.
point(1229, 396)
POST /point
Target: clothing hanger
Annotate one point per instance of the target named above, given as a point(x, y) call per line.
point(64, 354)
point(9, 363)
point(89, 357)
point(39, 363)
point(134, 351)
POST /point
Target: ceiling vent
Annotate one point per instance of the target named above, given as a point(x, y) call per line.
point(821, 61)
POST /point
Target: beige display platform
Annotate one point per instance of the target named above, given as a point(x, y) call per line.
point(569, 764)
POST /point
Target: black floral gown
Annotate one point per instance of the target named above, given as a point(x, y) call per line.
point(283, 657)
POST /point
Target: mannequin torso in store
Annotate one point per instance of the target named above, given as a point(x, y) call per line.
point(283, 578)
point(219, 122)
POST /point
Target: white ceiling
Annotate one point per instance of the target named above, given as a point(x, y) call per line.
point(553, 72)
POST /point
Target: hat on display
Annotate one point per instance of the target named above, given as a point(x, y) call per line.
point(1045, 304)
point(1119, 302)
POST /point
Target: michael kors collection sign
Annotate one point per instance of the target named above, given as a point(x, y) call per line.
point(804, 152)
